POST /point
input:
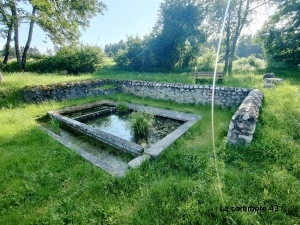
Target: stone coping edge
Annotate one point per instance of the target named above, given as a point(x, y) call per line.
point(86, 155)
point(153, 151)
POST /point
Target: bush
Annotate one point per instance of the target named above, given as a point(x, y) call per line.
point(74, 60)
point(121, 59)
point(83, 59)
point(11, 66)
point(141, 122)
point(122, 108)
point(206, 62)
point(250, 64)
point(280, 65)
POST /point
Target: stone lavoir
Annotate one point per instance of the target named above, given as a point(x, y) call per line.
point(242, 124)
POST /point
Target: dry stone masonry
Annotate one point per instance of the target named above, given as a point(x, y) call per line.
point(187, 93)
point(242, 125)
point(70, 90)
point(271, 81)
point(181, 93)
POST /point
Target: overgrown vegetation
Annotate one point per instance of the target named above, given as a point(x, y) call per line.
point(55, 126)
point(140, 123)
point(122, 108)
point(67, 60)
point(43, 182)
point(249, 64)
point(280, 34)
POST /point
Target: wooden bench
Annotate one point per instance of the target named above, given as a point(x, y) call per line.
point(197, 75)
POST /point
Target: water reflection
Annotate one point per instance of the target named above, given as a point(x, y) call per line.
point(118, 125)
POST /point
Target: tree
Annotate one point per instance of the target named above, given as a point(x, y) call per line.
point(33, 52)
point(240, 15)
point(177, 34)
point(27, 46)
point(6, 20)
point(60, 19)
point(173, 43)
point(112, 49)
point(280, 35)
point(15, 21)
point(247, 47)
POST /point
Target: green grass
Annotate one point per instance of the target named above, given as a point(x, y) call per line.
point(43, 182)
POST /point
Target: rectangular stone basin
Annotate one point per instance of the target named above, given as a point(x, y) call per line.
point(96, 109)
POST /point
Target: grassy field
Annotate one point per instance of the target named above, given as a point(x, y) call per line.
point(43, 182)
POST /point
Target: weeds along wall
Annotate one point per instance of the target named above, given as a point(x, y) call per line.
point(242, 125)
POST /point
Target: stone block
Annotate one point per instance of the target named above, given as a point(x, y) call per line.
point(274, 80)
point(272, 86)
point(247, 139)
point(269, 75)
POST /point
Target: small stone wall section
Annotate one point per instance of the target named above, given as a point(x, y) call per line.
point(70, 90)
point(243, 122)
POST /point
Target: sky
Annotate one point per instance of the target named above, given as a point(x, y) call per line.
point(121, 19)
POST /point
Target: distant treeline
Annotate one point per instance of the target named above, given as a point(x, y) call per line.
point(185, 31)
point(66, 60)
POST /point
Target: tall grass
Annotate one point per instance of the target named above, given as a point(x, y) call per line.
point(43, 182)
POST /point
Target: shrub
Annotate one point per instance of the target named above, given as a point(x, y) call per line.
point(206, 62)
point(121, 59)
point(122, 108)
point(83, 59)
point(11, 66)
point(141, 122)
point(280, 65)
point(249, 64)
point(74, 60)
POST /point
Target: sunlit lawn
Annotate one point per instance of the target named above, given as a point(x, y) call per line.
point(43, 182)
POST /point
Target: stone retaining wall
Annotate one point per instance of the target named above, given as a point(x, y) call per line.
point(186, 93)
point(70, 90)
point(181, 93)
point(243, 122)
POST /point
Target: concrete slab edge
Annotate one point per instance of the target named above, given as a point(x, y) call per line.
point(86, 155)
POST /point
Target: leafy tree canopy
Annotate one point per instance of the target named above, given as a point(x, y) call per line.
point(173, 43)
point(280, 35)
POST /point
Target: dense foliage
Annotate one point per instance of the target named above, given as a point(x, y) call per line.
point(67, 60)
point(61, 28)
point(247, 47)
point(111, 50)
point(173, 44)
point(280, 35)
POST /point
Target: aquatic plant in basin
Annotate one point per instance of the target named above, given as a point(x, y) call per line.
point(140, 123)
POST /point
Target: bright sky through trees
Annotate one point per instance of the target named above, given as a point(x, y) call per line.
point(123, 18)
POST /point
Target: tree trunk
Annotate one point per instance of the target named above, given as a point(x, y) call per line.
point(240, 24)
point(227, 43)
point(27, 46)
point(16, 31)
point(7, 46)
